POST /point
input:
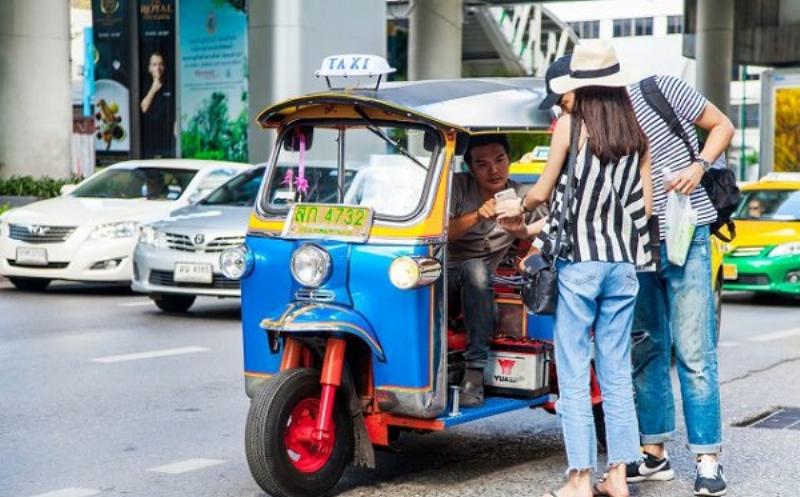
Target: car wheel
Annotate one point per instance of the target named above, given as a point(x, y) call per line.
point(173, 303)
point(30, 284)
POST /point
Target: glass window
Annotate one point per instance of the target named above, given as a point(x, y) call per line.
point(586, 29)
point(241, 190)
point(770, 205)
point(674, 24)
point(141, 182)
point(380, 172)
point(643, 26)
point(623, 27)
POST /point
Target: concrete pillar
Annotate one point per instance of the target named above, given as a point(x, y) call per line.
point(714, 50)
point(434, 39)
point(286, 42)
point(35, 96)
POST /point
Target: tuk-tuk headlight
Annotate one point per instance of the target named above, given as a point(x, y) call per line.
point(236, 262)
point(310, 265)
point(413, 272)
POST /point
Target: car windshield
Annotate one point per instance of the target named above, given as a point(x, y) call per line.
point(769, 205)
point(152, 183)
point(385, 167)
point(241, 190)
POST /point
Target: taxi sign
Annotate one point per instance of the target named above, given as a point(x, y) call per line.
point(354, 65)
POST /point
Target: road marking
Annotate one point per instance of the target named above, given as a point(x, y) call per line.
point(178, 467)
point(136, 304)
point(776, 335)
point(70, 492)
point(150, 354)
point(724, 343)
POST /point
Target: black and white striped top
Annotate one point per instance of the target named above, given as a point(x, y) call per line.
point(607, 222)
point(666, 149)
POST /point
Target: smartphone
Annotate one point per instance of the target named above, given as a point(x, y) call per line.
point(507, 194)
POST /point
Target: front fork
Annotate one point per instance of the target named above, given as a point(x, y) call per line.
point(295, 355)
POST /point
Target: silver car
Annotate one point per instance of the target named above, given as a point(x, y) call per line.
point(177, 258)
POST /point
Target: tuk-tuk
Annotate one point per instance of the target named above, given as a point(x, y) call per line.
point(347, 337)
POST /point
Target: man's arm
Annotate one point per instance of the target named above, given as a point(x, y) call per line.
point(460, 225)
point(720, 132)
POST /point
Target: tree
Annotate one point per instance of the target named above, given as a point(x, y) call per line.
point(787, 129)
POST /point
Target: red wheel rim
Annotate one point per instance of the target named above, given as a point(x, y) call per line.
point(306, 453)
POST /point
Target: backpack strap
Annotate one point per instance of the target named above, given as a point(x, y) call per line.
point(654, 98)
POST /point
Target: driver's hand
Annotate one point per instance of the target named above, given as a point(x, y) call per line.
point(509, 208)
point(487, 211)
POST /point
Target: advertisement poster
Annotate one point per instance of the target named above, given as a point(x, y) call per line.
point(213, 79)
point(112, 77)
point(787, 129)
point(157, 77)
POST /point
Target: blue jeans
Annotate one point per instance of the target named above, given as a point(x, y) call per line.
point(675, 309)
point(599, 296)
point(470, 284)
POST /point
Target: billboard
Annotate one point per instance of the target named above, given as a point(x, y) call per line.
point(112, 77)
point(780, 120)
point(213, 79)
point(157, 77)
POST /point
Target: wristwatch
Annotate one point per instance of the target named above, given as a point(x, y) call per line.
point(706, 165)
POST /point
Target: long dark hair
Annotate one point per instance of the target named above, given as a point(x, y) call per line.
point(610, 121)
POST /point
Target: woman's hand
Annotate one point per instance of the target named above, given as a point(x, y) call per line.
point(514, 226)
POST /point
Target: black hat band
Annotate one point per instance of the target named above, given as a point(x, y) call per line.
point(595, 73)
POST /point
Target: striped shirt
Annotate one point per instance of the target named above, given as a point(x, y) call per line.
point(668, 150)
point(607, 220)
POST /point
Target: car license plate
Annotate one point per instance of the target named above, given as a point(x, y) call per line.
point(193, 273)
point(343, 222)
point(730, 271)
point(30, 256)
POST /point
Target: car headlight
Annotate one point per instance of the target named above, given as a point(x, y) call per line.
point(791, 248)
point(124, 229)
point(413, 272)
point(150, 236)
point(310, 265)
point(236, 262)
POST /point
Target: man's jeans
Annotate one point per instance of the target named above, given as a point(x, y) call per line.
point(471, 284)
point(599, 296)
point(675, 308)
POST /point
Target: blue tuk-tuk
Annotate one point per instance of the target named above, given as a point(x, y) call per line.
point(347, 337)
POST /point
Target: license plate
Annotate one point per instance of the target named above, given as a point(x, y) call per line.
point(730, 271)
point(343, 222)
point(193, 273)
point(31, 256)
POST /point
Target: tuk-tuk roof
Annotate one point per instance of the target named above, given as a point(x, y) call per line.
point(478, 104)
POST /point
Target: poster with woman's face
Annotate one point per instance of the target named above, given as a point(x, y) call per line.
point(157, 77)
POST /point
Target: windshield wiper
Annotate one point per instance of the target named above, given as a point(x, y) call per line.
point(378, 131)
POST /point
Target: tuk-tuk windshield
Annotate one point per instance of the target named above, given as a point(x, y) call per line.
point(383, 167)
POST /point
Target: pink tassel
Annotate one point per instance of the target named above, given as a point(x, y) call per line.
point(301, 182)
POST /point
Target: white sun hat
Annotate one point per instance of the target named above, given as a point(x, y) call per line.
point(594, 63)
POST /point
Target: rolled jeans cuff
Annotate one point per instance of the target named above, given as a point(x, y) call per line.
point(704, 449)
point(657, 439)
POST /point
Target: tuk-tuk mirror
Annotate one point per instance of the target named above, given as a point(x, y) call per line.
point(291, 141)
point(429, 142)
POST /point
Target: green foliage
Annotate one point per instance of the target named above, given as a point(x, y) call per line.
point(4, 207)
point(210, 135)
point(522, 143)
point(28, 186)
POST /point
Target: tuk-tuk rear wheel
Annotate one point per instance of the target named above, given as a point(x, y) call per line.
point(281, 458)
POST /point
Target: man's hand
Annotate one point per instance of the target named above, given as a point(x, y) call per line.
point(487, 211)
point(510, 208)
point(687, 180)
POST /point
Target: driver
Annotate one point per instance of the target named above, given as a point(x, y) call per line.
point(755, 209)
point(477, 242)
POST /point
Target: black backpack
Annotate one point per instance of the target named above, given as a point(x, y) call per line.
point(720, 183)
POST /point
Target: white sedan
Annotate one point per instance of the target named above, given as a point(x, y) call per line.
point(89, 233)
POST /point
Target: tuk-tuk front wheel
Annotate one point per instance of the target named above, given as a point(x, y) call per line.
point(284, 457)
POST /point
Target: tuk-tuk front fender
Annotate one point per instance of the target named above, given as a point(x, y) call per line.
point(320, 318)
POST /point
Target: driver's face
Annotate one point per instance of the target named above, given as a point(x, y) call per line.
point(490, 165)
point(755, 209)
